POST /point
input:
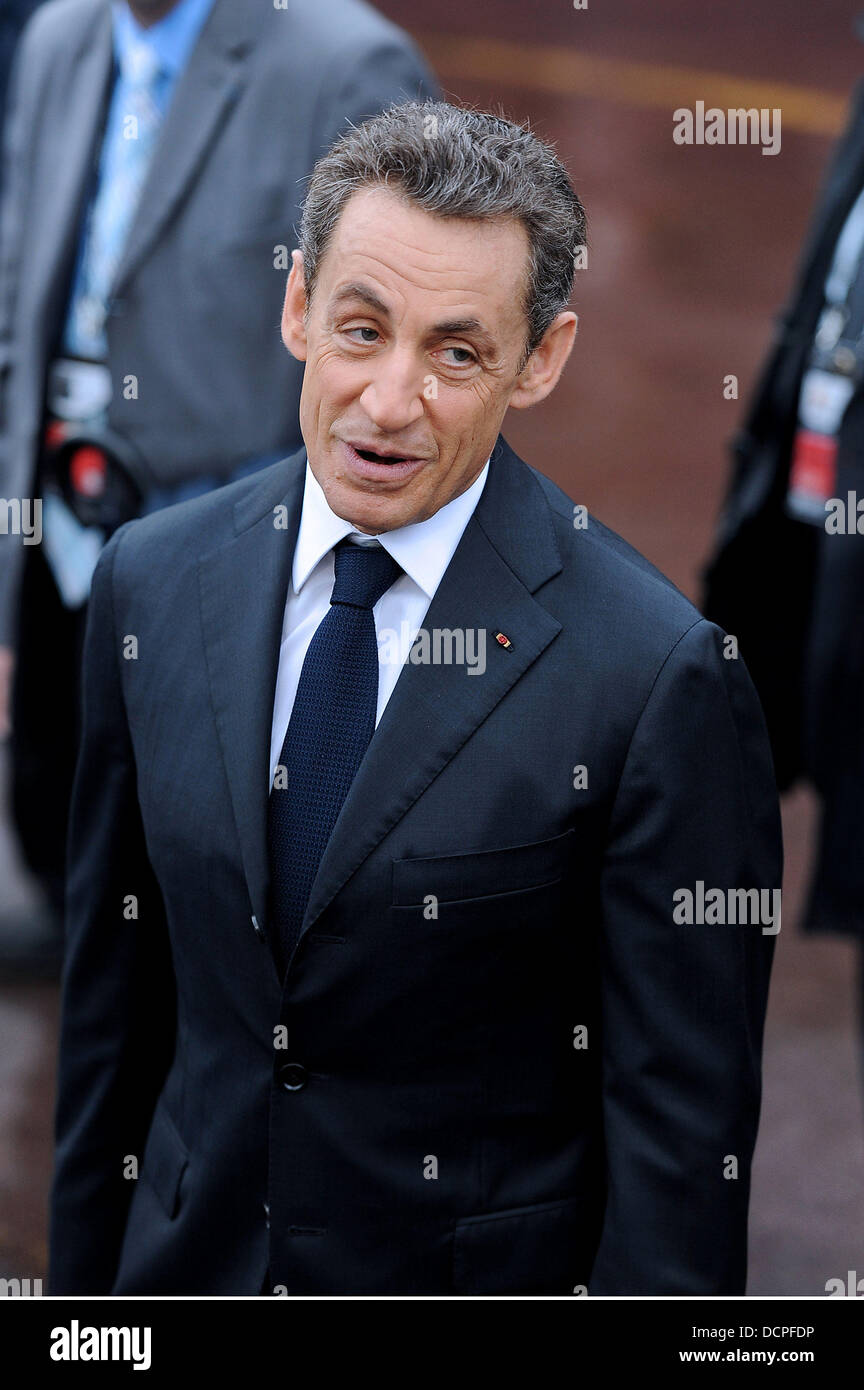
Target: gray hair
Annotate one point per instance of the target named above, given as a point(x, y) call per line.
point(455, 162)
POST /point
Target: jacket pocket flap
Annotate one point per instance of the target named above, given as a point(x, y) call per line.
point(165, 1160)
point(547, 1248)
point(484, 872)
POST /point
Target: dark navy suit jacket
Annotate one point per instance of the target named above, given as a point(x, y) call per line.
point(538, 1089)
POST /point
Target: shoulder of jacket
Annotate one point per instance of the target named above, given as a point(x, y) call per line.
point(51, 27)
point(324, 34)
point(186, 531)
point(620, 575)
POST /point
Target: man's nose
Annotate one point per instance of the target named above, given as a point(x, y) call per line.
point(393, 398)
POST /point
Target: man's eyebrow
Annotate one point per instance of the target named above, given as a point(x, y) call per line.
point(448, 328)
point(357, 290)
point(455, 328)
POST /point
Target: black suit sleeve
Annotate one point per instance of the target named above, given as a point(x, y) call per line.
point(118, 1006)
point(684, 1004)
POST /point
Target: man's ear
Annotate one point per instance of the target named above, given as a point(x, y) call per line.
point(539, 376)
point(294, 310)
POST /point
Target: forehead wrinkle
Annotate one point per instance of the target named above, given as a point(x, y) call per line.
point(461, 302)
point(366, 224)
point(415, 271)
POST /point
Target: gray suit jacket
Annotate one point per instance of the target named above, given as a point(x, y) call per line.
point(196, 304)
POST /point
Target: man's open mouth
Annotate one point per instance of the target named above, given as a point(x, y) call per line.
point(382, 467)
point(371, 456)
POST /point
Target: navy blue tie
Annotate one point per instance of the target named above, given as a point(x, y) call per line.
point(331, 724)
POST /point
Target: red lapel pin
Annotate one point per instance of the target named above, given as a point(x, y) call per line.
point(504, 641)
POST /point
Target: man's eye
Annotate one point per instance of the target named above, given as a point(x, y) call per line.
point(464, 357)
point(373, 332)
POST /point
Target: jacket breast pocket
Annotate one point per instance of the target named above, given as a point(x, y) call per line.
point(546, 1248)
point(490, 873)
point(165, 1161)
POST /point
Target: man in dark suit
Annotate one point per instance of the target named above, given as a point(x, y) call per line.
point(787, 574)
point(156, 159)
point(388, 971)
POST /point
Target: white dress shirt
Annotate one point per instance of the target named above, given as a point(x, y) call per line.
point(424, 550)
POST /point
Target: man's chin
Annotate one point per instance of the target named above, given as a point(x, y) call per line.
point(368, 510)
point(372, 505)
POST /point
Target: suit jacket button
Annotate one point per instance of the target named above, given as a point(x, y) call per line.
point(266, 1206)
point(259, 930)
point(292, 1076)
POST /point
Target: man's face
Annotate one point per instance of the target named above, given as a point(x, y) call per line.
point(412, 345)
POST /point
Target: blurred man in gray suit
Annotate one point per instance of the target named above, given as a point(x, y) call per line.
point(13, 16)
point(156, 153)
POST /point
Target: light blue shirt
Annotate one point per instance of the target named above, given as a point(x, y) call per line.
point(172, 40)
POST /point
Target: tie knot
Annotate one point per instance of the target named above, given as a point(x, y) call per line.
point(363, 574)
point(140, 66)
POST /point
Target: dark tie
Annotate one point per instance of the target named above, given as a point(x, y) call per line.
point(331, 724)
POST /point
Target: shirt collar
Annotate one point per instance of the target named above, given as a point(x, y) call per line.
point(424, 549)
point(172, 38)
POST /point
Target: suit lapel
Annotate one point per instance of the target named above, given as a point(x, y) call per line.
point(88, 85)
point(205, 93)
point(243, 586)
